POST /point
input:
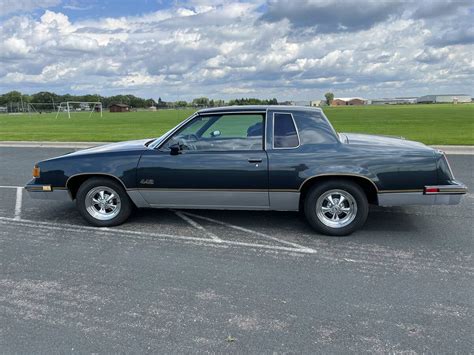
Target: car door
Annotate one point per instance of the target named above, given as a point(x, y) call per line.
point(214, 161)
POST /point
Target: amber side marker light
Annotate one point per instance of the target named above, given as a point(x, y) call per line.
point(36, 172)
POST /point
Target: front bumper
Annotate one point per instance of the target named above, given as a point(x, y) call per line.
point(431, 195)
point(48, 192)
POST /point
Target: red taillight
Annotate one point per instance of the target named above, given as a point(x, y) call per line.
point(431, 190)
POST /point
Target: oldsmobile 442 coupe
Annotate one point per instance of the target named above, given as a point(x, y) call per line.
point(252, 158)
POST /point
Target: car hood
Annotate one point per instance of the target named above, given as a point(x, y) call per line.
point(114, 147)
point(385, 141)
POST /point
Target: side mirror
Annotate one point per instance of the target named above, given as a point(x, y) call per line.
point(175, 149)
point(215, 133)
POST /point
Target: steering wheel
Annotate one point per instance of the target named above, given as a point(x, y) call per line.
point(185, 145)
point(184, 141)
point(191, 136)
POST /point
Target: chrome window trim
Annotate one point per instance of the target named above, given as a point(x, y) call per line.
point(189, 119)
point(213, 113)
point(449, 166)
point(296, 129)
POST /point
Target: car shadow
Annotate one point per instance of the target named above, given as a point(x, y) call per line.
point(383, 219)
point(290, 225)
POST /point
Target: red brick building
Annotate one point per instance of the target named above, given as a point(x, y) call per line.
point(348, 101)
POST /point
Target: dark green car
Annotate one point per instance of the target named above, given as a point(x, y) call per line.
point(281, 158)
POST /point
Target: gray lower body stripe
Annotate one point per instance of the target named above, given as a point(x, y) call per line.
point(216, 199)
point(417, 198)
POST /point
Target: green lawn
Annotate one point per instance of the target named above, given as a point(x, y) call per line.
point(430, 124)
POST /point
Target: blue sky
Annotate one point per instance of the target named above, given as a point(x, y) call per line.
point(89, 9)
point(291, 50)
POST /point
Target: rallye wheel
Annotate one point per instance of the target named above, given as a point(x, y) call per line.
point(336, 207)
point(103, 202)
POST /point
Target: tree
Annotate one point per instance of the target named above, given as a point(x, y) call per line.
point(329, 97)
point(201, 102)
point(51, 99)
point(45, 97)
point(12, 96)
point(181, 104)
point(219, 103)
point(161, 103)
point(150, 103)
point(253, 101)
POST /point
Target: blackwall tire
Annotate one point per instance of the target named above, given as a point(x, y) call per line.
point(336, 207)
point(103, 202)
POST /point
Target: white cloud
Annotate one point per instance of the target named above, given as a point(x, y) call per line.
point(11, 6)
point(224, 49)
point(14, 47)
point(238, 91)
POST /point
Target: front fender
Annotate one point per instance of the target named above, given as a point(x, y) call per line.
point(56, 172)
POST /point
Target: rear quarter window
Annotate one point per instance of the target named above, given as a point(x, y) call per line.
point(285, 134)
point(314, 129)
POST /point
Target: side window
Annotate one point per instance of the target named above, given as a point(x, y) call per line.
point(313, 128)
point(284, 131)
point(220, 133)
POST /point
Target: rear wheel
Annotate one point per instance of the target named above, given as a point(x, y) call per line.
point(103, 202)
point(336, 208)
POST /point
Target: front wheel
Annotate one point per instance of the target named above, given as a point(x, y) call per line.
point(103, 202)
point(336, 208)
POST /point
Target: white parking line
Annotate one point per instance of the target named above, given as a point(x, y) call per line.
point(242, 229)
point(19, 198)
point(10, 187)
point(146, 235)
point(198, 226)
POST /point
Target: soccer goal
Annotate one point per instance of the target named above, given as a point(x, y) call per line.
point(79, 106)
point(40, 107)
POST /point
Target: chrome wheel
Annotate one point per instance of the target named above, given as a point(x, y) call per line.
point(103, 203)
point(336, 208)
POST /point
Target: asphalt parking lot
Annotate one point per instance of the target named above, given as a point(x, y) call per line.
point(223, 281)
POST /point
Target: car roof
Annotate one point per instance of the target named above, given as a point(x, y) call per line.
point(257, 108)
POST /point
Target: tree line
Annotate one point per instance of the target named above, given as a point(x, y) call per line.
point(45, 97)
point(50, 98)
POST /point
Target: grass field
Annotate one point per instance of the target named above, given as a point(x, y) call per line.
point(431, 124)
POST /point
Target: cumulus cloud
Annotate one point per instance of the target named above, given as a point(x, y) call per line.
point(14, 47)
point(328, 16)
point(453, 36)
point(11, 6)
point(222, 49)
point(436, 9)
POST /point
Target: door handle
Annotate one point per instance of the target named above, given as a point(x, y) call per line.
point(254, 160)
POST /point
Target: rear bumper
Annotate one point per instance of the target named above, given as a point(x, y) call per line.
point(431, 195)
point(47, 192)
